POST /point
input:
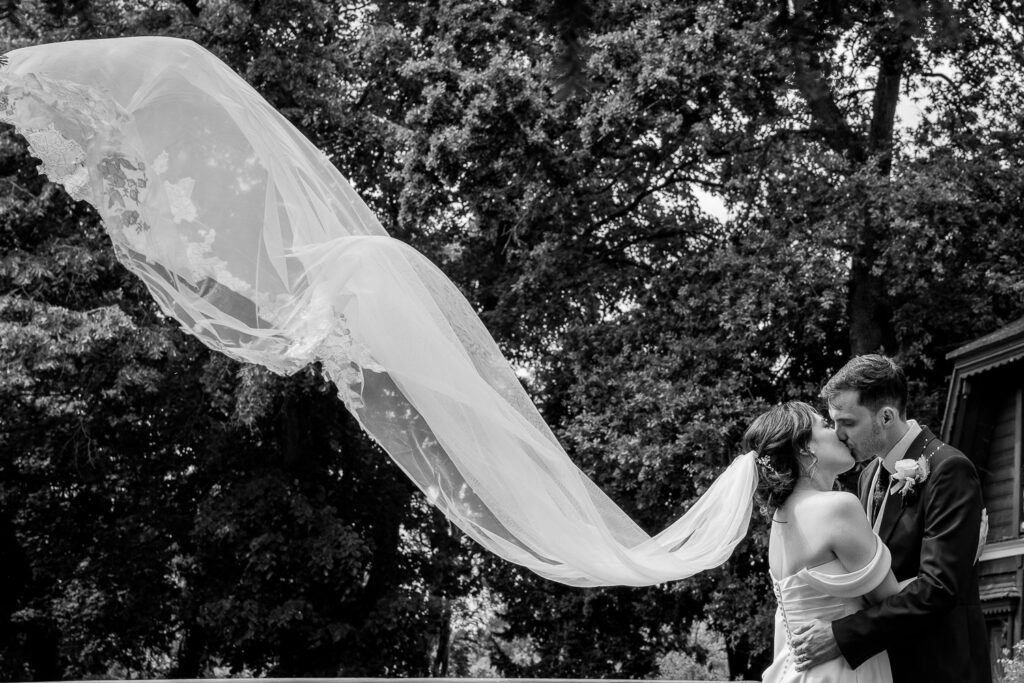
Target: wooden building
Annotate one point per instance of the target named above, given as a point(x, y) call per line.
point(983, 418)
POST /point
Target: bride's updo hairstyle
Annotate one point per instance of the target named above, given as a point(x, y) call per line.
point(777, 436)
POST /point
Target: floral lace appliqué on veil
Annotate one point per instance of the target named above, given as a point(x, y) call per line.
point(62, 159)
point(124, 182)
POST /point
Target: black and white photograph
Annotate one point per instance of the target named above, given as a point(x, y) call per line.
point(533, 341)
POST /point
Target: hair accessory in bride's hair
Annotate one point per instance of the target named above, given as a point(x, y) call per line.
point(765, 466)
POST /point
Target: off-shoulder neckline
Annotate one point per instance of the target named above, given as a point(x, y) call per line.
point(804, 570)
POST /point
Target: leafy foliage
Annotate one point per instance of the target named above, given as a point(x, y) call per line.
point(172, 513)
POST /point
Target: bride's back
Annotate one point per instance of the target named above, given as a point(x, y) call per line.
point(801, 535)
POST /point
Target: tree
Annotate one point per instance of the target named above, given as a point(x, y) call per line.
point(848, 232)
point(176, 512)
point(547, 154)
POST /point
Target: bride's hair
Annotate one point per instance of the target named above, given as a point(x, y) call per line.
point(777, 436)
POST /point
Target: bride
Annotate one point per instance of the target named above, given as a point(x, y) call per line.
point(823, 557)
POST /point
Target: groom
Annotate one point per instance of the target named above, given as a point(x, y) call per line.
point(933, 630)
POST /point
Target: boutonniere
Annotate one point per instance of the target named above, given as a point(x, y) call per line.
point(908, 474)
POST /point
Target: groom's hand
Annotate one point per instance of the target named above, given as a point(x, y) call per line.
point(814, 644)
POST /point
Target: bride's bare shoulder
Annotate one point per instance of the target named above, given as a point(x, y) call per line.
point(841, 515)
point(836, 505)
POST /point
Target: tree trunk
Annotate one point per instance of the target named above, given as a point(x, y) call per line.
point(439, 668)
point(744, 663)
point(191, 654)
point(868, 315)
point(42, 649)
point(869, 311)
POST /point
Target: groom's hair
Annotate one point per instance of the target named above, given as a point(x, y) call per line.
point(878, 379)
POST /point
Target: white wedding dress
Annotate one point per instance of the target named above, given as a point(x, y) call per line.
point(826, 593)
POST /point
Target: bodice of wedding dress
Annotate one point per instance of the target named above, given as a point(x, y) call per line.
point(827, 592)
point(823, 593)
point(252, 240)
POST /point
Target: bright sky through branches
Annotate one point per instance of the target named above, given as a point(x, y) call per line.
point(908, 114)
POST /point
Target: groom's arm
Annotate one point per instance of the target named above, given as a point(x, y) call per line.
point(952, 507)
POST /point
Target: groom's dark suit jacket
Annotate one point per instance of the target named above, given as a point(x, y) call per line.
point(933, 630)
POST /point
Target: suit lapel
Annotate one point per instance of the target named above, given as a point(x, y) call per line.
point(895, 506)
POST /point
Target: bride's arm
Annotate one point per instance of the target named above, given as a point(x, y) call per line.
point(856, 545)
point(889, 586)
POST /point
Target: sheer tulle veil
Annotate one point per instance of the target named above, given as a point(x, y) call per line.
point(253, 241)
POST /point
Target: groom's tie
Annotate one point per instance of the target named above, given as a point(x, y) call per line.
point(878, 495)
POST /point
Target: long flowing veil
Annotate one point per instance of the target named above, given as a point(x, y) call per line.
point(252, 240)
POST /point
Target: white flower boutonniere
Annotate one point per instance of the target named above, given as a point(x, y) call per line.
point(909, 473)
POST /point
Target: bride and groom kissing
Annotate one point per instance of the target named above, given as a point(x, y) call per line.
point(882, 586)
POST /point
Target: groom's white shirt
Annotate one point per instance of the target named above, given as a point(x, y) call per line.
point(895, 453)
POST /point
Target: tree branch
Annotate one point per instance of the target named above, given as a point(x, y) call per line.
point(936, 74)
point(820, 100)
